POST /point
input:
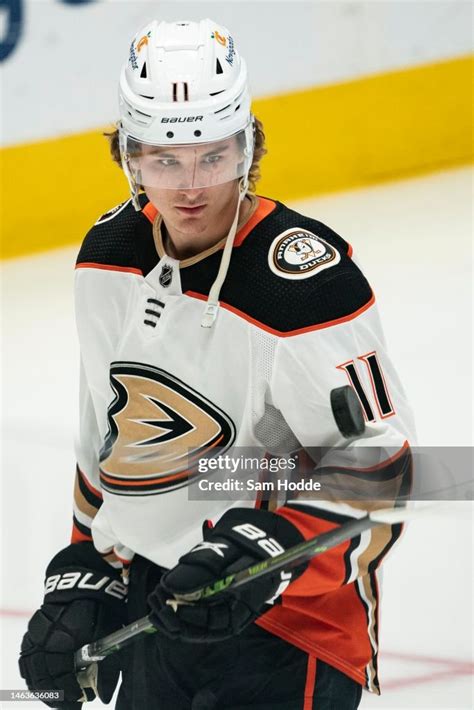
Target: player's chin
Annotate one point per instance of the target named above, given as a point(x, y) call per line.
point(192, 224)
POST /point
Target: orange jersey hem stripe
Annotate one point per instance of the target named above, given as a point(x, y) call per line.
point(310, 683)
point(109, 267)
point(311, 648)
point(289, 333)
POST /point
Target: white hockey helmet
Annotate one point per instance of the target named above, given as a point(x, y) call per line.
point(185, 119)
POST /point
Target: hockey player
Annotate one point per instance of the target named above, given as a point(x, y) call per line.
point(211, 318)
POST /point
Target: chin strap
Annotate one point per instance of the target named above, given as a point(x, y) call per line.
point(124, 157)
point(212, 305)
point(134, 189)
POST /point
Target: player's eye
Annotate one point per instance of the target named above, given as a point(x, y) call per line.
point(212, 159)
point(166, 162)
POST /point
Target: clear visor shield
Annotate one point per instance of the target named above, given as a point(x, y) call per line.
point(188, 166)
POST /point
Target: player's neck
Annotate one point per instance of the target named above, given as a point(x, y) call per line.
point(181, 245)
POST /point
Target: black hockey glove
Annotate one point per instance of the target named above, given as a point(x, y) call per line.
point(84, 600)
point(242, 537)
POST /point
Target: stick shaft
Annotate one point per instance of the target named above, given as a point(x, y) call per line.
point(289, 559)
point(293, 557)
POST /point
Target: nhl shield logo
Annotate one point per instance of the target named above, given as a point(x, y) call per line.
point(166, 275)
point(299, 254)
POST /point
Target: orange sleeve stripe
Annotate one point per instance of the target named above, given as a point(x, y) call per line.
point(78, 536)
point(377, 467)
point(123, 560)
point(289, 333)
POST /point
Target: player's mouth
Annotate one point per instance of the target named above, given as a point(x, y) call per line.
point(193, 211)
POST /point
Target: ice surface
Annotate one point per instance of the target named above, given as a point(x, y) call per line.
point(413, 238)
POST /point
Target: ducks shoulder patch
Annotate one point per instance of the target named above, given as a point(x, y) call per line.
point(299, 254)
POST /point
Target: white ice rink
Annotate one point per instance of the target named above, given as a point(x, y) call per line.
point(414, 240)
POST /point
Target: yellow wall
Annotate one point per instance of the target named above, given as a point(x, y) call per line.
point(321, 139)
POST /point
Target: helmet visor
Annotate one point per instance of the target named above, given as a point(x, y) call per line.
point(184, 167)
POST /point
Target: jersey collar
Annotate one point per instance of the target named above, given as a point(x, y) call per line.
point(260, 208)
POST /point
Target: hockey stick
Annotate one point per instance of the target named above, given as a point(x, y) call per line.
point(293, 557)
point(349, 419)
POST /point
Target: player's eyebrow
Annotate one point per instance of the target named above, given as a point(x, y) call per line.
point(165, 151)
point(218, 149)
point(161, 151)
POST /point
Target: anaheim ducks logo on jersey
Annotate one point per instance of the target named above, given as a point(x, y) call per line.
point(298, 254)
point(158, 429)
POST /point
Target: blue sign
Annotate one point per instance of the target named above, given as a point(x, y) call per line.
point(14, 26)
point(14, 10)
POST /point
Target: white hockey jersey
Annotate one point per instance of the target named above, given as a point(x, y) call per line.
point(297, 318)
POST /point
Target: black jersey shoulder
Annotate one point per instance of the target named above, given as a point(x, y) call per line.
point(122, 237)
point(284, 304)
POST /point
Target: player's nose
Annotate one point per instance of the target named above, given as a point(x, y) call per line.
point(192, 196)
